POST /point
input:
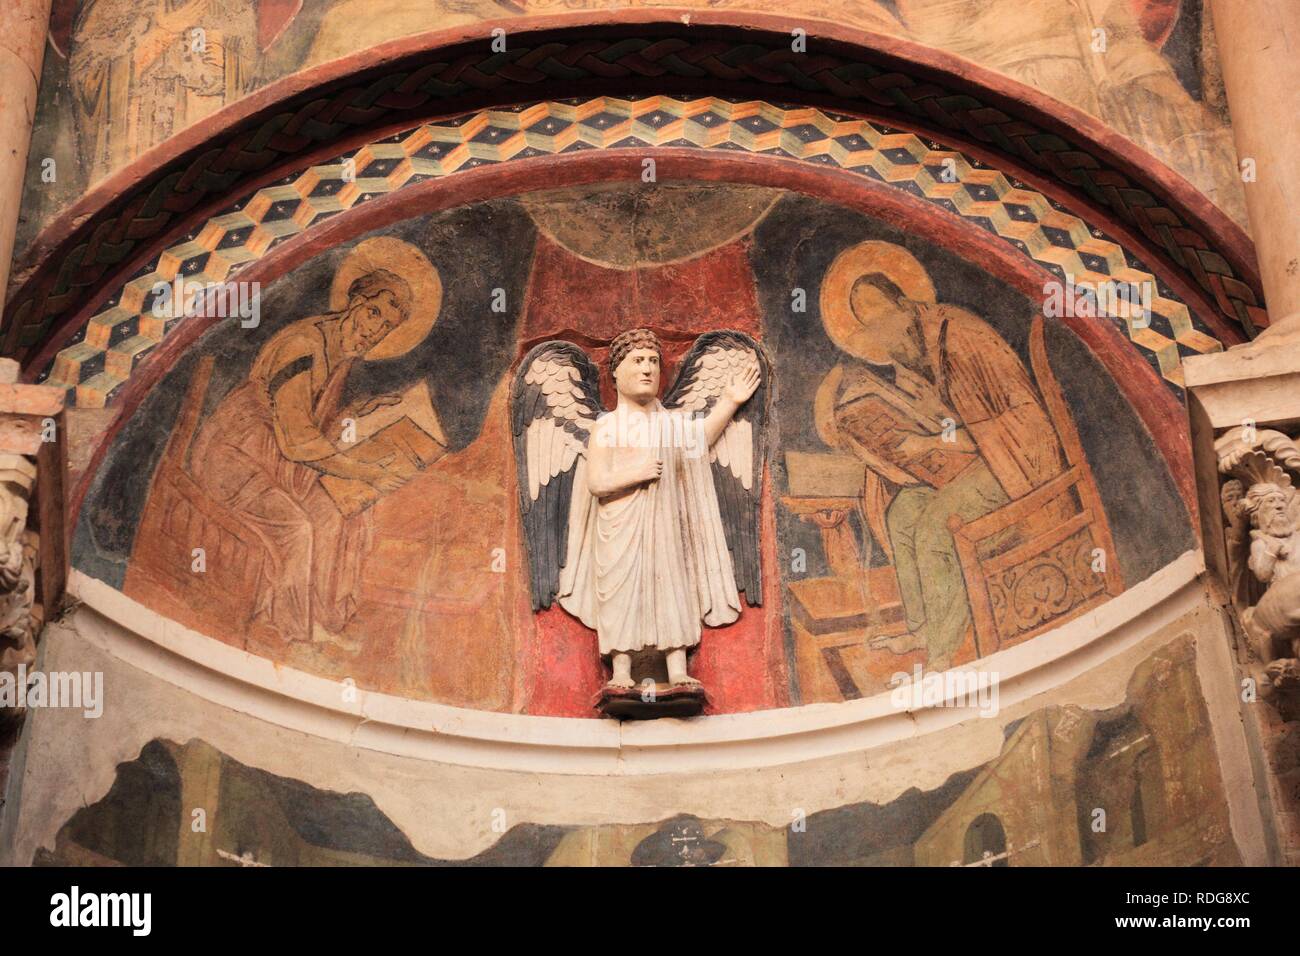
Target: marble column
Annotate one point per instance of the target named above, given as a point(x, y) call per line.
point(23, 28)
point(1259, 49)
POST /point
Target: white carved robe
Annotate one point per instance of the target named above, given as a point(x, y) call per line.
point(648, 568)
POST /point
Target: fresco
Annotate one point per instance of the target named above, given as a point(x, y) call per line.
point(249, 818)
point(912, 557)
point(1137, 784)
point(336, 489)
point(121, 76)
point(360, 564)
point(98, 363)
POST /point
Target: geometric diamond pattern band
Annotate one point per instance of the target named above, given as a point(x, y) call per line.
point(95, 367)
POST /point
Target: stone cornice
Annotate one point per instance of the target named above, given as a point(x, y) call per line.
point(243, 682)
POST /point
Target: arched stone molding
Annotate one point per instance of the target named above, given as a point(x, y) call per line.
point(104, 237)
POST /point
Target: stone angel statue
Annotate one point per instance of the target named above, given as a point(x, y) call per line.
point(642, 522)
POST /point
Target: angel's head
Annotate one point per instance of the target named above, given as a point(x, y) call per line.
point(378, 302)
point(634, 360)
point(1267, 504)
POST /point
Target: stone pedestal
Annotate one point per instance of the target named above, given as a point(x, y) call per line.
point(647, 703)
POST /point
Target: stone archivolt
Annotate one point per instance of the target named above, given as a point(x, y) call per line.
point(1136, 192)
point(124, 330)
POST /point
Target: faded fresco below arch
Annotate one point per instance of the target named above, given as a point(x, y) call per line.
point(1057, 765)
point(409, 573)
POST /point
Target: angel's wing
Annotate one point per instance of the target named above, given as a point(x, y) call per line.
point(553, 407)
point(740, 451)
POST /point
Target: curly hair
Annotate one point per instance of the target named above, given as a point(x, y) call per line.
point(1255, 496)
point(629, 340)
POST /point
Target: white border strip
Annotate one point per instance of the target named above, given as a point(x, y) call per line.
point(235, 679)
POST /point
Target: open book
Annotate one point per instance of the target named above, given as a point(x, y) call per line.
point(407, 435)
point(883, 418)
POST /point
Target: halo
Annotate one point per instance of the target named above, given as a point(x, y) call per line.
point(402, 258)
point(845, 330)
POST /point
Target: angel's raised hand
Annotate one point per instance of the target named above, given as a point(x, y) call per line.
point(744, 384)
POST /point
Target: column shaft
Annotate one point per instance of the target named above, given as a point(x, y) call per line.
point(23, 28)
point(1259, 48)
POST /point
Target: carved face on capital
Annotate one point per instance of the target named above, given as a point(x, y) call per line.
point(1271, 514)
point(13, 521)
point(637, 376)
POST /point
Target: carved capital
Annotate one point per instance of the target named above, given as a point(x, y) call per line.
point(1244, 409)
point(32, 508)
point(1259, 468)
point(19, 548)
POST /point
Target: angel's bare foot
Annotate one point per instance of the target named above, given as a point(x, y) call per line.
point(677, 676)
point(622, 679)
